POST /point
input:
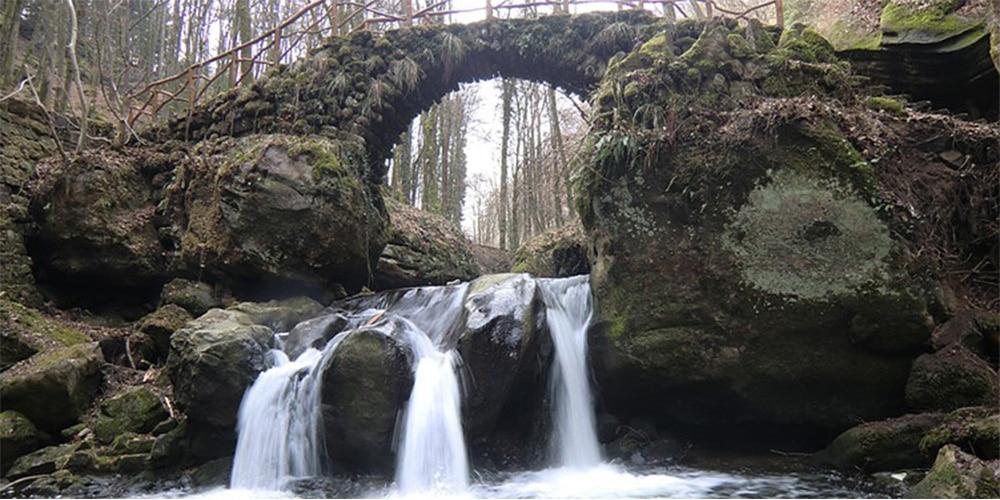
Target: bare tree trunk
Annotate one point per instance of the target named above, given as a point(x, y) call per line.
point(10, 22)
point(506, 92)
point(84, 106)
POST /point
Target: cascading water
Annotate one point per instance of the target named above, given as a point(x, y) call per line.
point(568, 310)
point(279, 423)
point(432, 456)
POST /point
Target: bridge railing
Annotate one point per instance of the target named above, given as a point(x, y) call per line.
point(241, 64)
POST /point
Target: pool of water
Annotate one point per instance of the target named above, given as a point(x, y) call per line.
point(604, 481)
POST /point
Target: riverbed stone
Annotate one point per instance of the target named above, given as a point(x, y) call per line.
point(54, 388)
point(212, 361)
point(951, 378)
point(365, 385)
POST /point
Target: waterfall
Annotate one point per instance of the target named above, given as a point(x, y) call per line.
point(432, 455)
point(279, 422)
point(568, 309)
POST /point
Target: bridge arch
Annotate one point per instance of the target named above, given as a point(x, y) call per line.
point(373, 86)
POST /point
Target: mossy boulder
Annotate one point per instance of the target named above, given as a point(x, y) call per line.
point(135, 410)
point(951, 378)
point(365, 385)
point(556, 253)
point(54, 388)
point(906, 21)
point(160, 324)
point(279, 211)
point(195, 297)
point(25, 331)
point(957, 474)
point(423, 249)
point(212, 361)
point(18, 436)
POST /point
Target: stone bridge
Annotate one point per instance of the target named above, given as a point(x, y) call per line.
point(374, 85)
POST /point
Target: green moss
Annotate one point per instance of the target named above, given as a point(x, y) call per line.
point(844, 36)
point(805, 44)
point(887, 104)
point(32, 322)
point(935, 19)
point(136, 410)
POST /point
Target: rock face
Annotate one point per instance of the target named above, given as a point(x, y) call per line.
point(951, 378)
point(749, 280)
point(557, 253)
point(956, 474)
point(423, 249)
point(53, 389)
point(279, 208)
point(501, 344)
point(95, 218)
point(365, 385)
point(212, 362)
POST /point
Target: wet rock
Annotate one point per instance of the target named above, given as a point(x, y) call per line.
point(951, 378)
point(276, 212)
point(135, 410)
point(53, 388)
point(194, 296)
point(212, 362)
point(423, 249)
point(365, 385)
point(313, 333)
point(557, 253)
point(18, 436)
point(500, 343)
point(956, 474)
point(162, 323)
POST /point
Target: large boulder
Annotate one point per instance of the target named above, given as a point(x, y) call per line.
point(54, 388)
point(160, 324)
point(748, 259)
point(556, 253)
point(951, 378)
point(501, 343)
point(957, 474)
point(365, 385)
point(275, 210)
point(18, 436)
point(424, 249)
point(212, 361)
